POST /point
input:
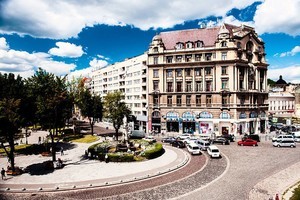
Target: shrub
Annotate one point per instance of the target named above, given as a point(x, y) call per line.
point(120, 157)
point(296, 195)
point(153, 151)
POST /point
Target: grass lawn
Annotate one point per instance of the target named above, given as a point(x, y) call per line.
point(86, 139)
point(18, 148)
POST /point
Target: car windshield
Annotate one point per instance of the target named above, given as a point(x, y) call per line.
point(195, 148)
point(215, 150)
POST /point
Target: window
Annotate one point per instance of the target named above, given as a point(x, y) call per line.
point(155, 100)
point(169, 73)
point(224, 83)
point(208, 70)
point(224, 44)
point(155, 49)
point(224, 100)
point(178, 58)
point(198, 86)
point(198, 100)
point(188, 100)
point(197, 57)
point(169, 59)
point(179, 72)
point(224, 70)
point(188, 58)
point(155, 85)
point(208, 56)
point(199, 44)
point(242, 100)
point(224, 56)
point(208, 86)
point(169, 87)
point(188, 72)
point(198, 71)
point(189, 45)
point(155, 60)
point(179, 45)
point(178, 100)
point(208, 100)
point(239, 45)
point(188, 86)
point(178, 87)
point(251, 85)
point(169, 101)
point(155, 73)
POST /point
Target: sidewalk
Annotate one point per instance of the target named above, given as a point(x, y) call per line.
point(83, 173)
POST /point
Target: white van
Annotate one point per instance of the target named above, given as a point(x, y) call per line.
point(193, 148)
point(284, 143)
point(203, 144)
point(213, 151)
point(282, 137)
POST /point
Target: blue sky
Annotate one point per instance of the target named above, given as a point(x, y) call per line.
point(73, 37)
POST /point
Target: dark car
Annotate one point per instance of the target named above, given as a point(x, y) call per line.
point(220, 140)
point(229, 137)
point(168, 140)
point(178, 143)
point(252, 136)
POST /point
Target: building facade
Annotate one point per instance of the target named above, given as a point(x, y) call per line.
point(129, 77)
point(208, 80)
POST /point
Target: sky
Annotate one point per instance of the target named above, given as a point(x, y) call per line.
point(73, 37)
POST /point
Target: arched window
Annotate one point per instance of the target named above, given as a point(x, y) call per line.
point(189, 45)
point(206, 115)
point(179, 45)
point(224, 115)
point(199, 44)
point(224, 44)
point(156, 114)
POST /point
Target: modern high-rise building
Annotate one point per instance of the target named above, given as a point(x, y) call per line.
point(208, 80)
point(129, 77)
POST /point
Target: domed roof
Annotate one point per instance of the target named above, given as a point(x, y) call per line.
point(156, 37)
point(281, 81)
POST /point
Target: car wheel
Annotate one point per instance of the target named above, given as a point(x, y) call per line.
point(223, 143)
point(242, 144)
point(292, 146)
point(178, 146)
point(278, 145)
point(254, 145)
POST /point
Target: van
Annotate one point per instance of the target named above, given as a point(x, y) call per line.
point(203, 144)
point(193, 148)
point(213, 151)
point(281, 137)
point(296, 136)
point(284, 143)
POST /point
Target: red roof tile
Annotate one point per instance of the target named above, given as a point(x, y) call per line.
point(207, 35)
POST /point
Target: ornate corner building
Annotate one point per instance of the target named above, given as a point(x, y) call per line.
point(208, 80)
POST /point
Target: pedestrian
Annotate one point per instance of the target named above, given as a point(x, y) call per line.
point(277, 197)
point(3, 174)
point(61, 151)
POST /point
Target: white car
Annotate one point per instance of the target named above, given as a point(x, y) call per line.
point(150, 139)
point(213, 151)
point(189, 140)
point(281, 137)
point(193, 149)
point(184, 136)
point(284, 143)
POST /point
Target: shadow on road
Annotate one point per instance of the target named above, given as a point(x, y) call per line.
point(40, 168)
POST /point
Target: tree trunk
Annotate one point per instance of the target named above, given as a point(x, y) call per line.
point(92, 125)
point(53, 152)
point(117, 134)
point(11, 153)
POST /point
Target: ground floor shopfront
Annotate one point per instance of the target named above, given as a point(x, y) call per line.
point(205, 123)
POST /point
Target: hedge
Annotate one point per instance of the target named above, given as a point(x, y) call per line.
point(153, 151)
point(120, 157)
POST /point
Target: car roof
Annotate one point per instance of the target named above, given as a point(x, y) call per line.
point(213, 147)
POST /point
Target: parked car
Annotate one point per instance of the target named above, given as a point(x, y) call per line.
point(149, 138)
point(284, 143)
point(220, 140)
point(184, 136)
point(193, 148)
point(213, 151)
point(280, 137)
point(247, 142)
point(189, 140)
point(178, 143)
point(204, 137)
point(229, 137)
point(168, 139)
point(203, 144)
point(252, 136)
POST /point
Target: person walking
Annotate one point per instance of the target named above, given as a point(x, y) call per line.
point(3, 174)
point(61, 151)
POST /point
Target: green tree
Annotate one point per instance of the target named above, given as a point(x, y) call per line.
point(11, 94)
point(91, 107)
point(53, 102)
point(115, 109)
point(270, 82)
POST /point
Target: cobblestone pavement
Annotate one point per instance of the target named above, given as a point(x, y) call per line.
point(249, 166)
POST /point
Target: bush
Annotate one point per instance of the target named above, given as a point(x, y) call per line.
point(296, 195)
point(120, 157)
point(153, 151)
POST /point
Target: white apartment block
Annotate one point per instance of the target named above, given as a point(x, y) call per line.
point(129, 77)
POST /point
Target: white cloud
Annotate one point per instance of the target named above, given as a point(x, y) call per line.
point(95, 63)
point(80, 73)
point(61, 19)
point(3, 43)
point(277, 16)
point(289, 74)
point(293, 52)
point(25, 64)
point(66, 49)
